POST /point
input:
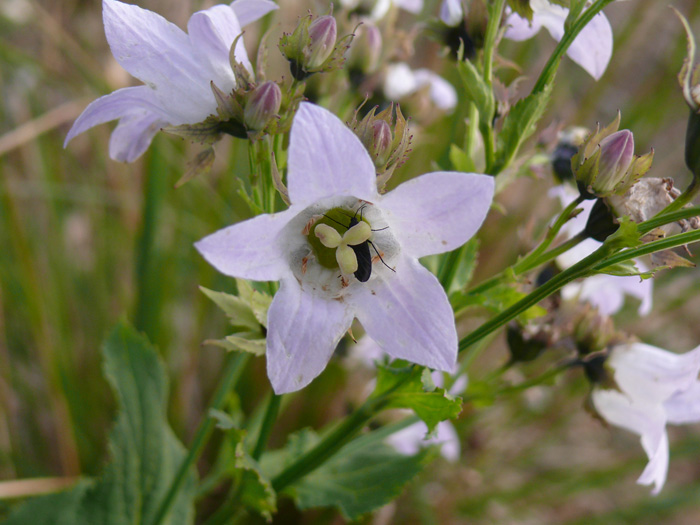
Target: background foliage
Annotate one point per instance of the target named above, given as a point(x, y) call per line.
point(86, 241)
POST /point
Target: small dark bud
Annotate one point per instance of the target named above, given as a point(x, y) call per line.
point(692, 143)
point(594, 368)
point(601, 222)
point(523, 347)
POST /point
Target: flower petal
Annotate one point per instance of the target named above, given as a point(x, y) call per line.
point(451, 12)
point(303, 331)
point(684, 407)
point(438, 212)
point(651, 374)
point(249, 249)
point(160, 54)
point(121, 103)
point(399, 81)
point(520, 28)
point(412, 6)
point(407, 313)
point(410, 440)
point(212, 33)
point(133, 135)
point(593, 47)
point(442, 93)
point(327, 159)
point(248, 11)
point(647, 420)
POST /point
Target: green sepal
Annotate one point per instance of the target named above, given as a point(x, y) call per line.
point(626, 236)
point(238, 310)
point(405, 388)
point(461, 160)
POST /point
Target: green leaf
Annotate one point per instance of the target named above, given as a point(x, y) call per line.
point(363, 476)
point(626, 236)
point(256, 491)
point(145, 452)
point(626, 268)
point(497, 299)
point(236, 309)
point(520, 123)
point(258, 301)
point(461, 160)
point(466, 266)
point(479, 92)
point(405, 388)
point(522, 7)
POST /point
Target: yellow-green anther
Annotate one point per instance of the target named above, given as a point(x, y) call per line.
point(358, 234)
point(347, 260)
point(328, 235)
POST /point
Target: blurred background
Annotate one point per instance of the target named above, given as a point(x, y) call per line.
point(86, 241)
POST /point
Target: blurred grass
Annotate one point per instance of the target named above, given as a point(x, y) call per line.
point(86, 241)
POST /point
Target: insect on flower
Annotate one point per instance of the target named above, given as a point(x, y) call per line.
point(363, 258)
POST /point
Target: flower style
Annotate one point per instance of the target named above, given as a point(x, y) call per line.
point(177, 70)
point(654, 387)
point(331, 180)
point(591, 49)
point(401, 81)
point(605, 292)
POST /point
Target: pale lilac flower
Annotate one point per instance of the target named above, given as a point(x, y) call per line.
point(401, 81)
point(654, 387)
point(451, 12)
point(404, 309)
point(378, 8)
point(591, 49)
point(605, 292)
point(177, 70)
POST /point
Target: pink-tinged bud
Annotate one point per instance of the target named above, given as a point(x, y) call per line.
point(382, 142)
point(322, 34)
point(366, 49)
point(263, 104)
point(616, 156)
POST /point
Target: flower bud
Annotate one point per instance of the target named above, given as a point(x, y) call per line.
point(593, 332)
point(366, 49)
point(522, 345)
point(386, 139)
point(263, 104)
point(616, 155)
point(601, 222)
point(451, 12)
point(605, 163)
point(692, 143)
point(322, 34)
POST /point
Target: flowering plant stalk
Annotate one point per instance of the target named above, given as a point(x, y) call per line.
point(368, 198)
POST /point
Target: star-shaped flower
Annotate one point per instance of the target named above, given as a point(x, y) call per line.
point(653, 387)
point(401, 305)
point(591, 49)
point(177, 70)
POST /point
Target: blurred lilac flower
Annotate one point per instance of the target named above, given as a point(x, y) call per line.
point(177, 70)
point(401, 81)
point(404, 309)
point(378, 8)
point(653, 387)
point(605, 292)
point(591, 49)
point(451, 12)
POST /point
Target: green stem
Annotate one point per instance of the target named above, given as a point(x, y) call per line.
point(235, 364)
point(472, 130)
point(329, 445)
point(684, 198)
point(538, 256)
point(668, 217)
point(490, 38)
point(596, 261)
point(268, 422)
point(550, 69)
point(489, 147)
